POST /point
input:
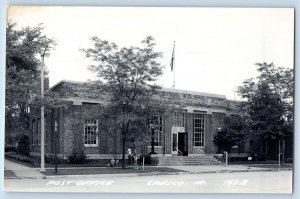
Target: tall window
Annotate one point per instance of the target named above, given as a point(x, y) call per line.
point(156, 123)
point(33, 132)
point(46, 130)
point(38, 134)
point(91, 133)
point(55, 125)
point(198, 129)
point(37, 131)
point(264, 147)
point(179, 119)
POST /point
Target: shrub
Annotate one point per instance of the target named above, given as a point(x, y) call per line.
point(10, 149)
point(51, 160)
point(20, 158)
point(77, 158)
point(23, 145)
point(25, 159)
point(289, 160)
point(147, 159)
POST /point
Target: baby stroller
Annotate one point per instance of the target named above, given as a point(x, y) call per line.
point(113, 163)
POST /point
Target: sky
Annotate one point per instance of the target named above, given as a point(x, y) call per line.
point(216, 48)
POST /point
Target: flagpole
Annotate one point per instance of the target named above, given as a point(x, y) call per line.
point(174, 76)
point(173, 65)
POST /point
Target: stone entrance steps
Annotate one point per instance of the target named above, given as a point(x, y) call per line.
point(187, 160)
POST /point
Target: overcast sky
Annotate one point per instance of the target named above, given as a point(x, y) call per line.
point(216, 48)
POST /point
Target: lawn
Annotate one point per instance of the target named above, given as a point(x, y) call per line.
point(107, 170)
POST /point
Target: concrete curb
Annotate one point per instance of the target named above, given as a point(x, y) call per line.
point(116, 175)
point(149, 174)
point(240, 170)
point(26, 177)
point(163, 173)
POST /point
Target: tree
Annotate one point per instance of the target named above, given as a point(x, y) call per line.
point(270, 102)
point(127, 76)
point(232, 133)
point(23, 48)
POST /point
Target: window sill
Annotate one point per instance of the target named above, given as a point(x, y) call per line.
point(90, 145)
point(39, 145)
point(155, 146)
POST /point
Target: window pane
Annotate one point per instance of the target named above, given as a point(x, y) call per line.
point(90, 132)
point(198, 129)
point(157, 124)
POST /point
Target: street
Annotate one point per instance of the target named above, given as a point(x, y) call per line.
point(236, 182)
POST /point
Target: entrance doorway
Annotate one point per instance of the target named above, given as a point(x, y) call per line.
point(183, 143)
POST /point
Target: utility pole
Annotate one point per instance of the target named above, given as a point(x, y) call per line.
point(55, 143)
point(123, 136)
point(42, 116)
point(279, 150)
point(42, 113)
point(46, 44)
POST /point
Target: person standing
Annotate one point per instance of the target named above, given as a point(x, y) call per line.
point(129, 153)
point(135, 159)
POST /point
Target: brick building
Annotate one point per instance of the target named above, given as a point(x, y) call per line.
point(189, 132)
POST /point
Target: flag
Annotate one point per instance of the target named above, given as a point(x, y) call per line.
point(172, 58)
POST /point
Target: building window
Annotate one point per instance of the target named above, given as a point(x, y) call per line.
point(33, 127)
point(91, 133)
point(46, 130)
point(36, 131)
point(198, 129)
point(38, 134)
point(179, 119)
point(157, 124)
point(55, 125)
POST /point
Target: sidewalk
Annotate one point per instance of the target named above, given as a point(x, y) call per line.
point(199, 169)
point(21, 171)
point(228, 168)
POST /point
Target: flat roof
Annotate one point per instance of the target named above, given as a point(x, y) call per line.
point(172, 90)
point(66, 81)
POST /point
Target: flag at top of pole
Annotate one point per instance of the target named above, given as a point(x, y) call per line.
point(173, 57)
point(172, 64)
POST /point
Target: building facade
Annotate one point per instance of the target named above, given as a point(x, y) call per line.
point(188, 132)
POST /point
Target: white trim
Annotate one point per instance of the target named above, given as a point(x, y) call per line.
point(193, 92)
point(155, 146)
point(91, 145)
point(157, 155)
point(104, 156)
point(191, 109)
point(77, 101)
point(176, 129)
point(119, 156)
